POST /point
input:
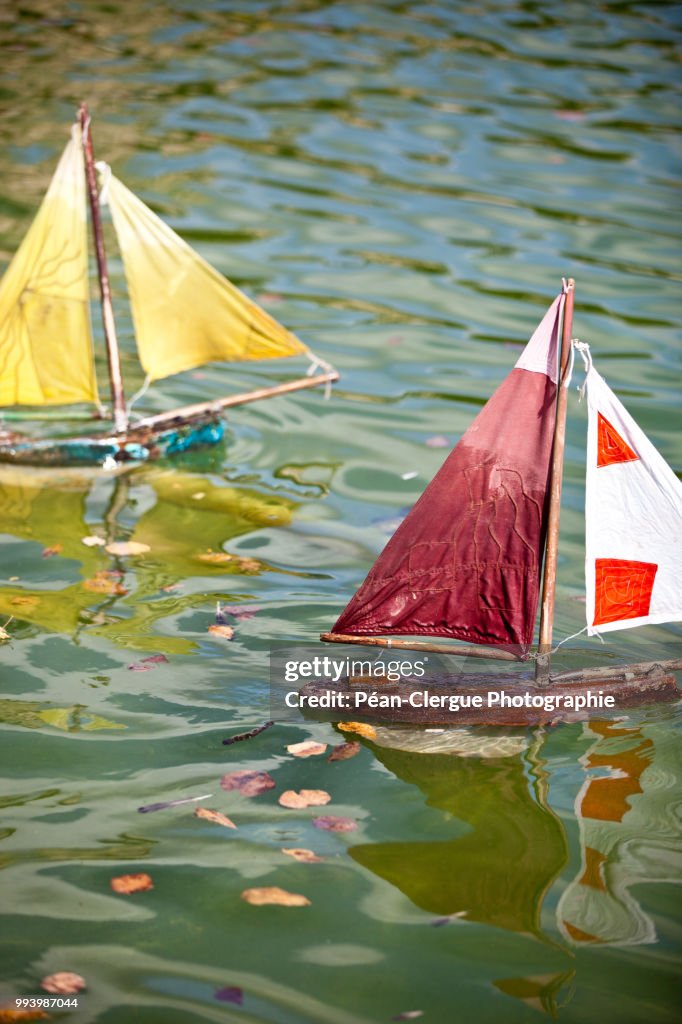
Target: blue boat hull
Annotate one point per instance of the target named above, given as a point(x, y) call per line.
point(135, 446)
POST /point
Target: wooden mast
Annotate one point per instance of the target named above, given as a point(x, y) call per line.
point(119, 411)
point(555, 482)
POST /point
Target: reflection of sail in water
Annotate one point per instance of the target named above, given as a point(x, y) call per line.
point(626, 839)
point(179, 516)
point(496, 873)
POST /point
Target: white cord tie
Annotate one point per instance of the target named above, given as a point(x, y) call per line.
point(105, 170)
point(584, 349)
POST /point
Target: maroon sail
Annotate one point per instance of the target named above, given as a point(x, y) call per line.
point(466, 561)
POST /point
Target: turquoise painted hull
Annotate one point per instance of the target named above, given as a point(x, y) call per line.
point(105, 450)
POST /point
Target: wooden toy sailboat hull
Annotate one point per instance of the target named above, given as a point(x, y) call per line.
point(478, 550)
point(185, 315)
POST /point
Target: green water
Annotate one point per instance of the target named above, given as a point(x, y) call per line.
point(403, 185)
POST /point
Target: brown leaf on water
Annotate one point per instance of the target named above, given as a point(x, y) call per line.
point(301, 854)
point(248, 783)
point(334, 823)
point(128, 884)
point(223, 558)
point(307, 748)
point(226, 632)
point(214, 816)
point(127, 547)
point(304, 798)
point(25, 602)
point(361, 728)
point(274, 895)
point(344, 751)
point(56, 549)
point(9, 1014)
point(64, 983)
point(105, 582)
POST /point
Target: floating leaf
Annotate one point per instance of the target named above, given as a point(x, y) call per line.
point(304, 798)
point(93, 541)
point(127, 547)
point(344, 751)
point(301, 854)
point(128, 884)
point(361, 728)
point(172, 803)
point(226, 632)
point(63, 983)
point(147, 664)
point(223, 558)
point(247, 735)
point(333, 823)
point(9, 1014)
point(237, 611)
point(25, 602)
point(105, 582)
point(273, 894)
point(50, 552)
point(233, 994)
point(215, 816)
point(438, 922)
point(307, 748)
point(248, 783)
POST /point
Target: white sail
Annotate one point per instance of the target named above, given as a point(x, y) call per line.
point(633, 512)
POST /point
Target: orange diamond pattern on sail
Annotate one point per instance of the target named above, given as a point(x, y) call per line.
point(611, 448)
point(622, 589)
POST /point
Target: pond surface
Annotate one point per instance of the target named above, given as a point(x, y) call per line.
point(402, 185)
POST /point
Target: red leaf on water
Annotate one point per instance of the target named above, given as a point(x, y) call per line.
point(128, 884)
point(232, 994)
point(147, 664)
point(334, 823)
point(56, 549)
point(239, 611)
point(248, 783)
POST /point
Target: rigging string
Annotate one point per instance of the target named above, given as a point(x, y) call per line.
point(316, 363)
point(584, 349)
point(140, 392)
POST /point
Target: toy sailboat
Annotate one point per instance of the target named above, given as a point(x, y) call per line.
point(185, 314)
point(473, 556)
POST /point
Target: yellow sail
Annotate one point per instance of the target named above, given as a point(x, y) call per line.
point(185, 313)
point(46, 353)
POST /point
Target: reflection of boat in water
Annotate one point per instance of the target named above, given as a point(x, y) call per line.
point(504, 865)
point(184, 312)
point(627, 837)
point(499, 869)
point(185, 519)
